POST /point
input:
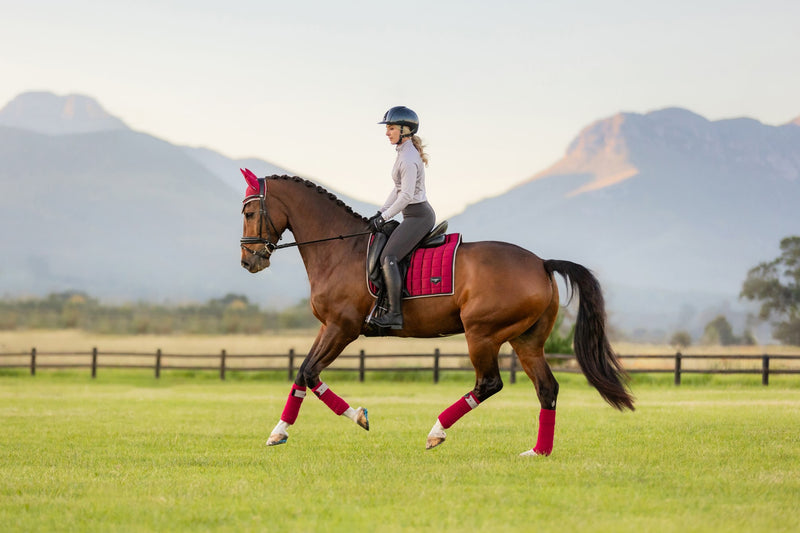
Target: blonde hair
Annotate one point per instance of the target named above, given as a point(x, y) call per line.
point(420, 148)
point(417, 142)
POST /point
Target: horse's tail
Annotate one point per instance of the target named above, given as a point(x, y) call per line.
point(595, 356)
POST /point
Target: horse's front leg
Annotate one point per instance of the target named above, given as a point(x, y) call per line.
point(329, 343)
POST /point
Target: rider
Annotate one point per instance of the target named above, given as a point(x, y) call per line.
point(408, 197)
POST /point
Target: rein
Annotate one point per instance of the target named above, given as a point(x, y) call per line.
point(340, 237)
point(269, 246)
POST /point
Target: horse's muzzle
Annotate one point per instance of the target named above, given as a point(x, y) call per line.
point(253, 262)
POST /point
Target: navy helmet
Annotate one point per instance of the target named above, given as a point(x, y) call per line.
point(402, 116)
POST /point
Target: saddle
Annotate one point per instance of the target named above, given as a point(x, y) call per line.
point(435, 238)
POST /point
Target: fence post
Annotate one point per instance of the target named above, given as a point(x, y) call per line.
point(361, 365)
point(94, 362)
point(677, 368)
point(513, 368)
point(33, 361)
point(291, 364)
point(765, 370)
point(222, 365)
point(158, 363)
point(436, 365)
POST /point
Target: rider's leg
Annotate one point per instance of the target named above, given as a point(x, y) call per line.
point(418, 219)
point(393, 284)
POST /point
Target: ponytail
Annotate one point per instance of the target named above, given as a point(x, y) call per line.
point(420, 148)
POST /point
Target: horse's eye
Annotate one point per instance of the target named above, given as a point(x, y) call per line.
point(248, 216)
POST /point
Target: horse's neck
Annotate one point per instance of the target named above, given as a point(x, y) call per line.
point(313, 216)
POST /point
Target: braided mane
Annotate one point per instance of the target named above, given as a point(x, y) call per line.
point(320, 189)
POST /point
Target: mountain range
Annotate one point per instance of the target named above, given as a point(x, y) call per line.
point(669, 209)
point(88, 204)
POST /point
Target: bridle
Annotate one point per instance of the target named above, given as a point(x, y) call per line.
point(264, 220)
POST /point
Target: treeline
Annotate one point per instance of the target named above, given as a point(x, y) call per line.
point(233, 313)
point(228, 315)
point(718, 332)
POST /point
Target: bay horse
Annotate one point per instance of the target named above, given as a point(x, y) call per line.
point(502, 293)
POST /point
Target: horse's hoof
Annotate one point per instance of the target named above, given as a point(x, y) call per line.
point(277, 438)
point(433, 442)
point(533, 452)
point(361, 418)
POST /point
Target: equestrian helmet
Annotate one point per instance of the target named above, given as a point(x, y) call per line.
point(402, 116)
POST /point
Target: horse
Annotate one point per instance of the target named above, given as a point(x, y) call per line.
point(502, 293)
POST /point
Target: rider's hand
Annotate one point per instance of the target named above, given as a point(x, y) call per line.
point(376, 222)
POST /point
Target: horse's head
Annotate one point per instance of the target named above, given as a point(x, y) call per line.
point(260, 235)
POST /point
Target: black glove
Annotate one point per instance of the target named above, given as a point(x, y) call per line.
point(376, 222)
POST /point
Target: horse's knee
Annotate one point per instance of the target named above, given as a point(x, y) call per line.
point(307, 376)
point(488, 386)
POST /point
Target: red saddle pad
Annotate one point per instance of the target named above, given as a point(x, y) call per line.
point(431, 271)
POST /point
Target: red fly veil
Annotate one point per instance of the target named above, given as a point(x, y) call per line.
point(252, 182)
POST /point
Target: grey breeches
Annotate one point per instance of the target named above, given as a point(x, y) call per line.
point(418, 220)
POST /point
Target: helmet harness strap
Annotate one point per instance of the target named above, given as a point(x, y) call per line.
point(403, 135)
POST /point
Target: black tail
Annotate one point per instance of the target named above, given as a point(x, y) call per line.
point(597, 360)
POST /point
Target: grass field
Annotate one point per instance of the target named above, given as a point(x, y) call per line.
point(126, 452)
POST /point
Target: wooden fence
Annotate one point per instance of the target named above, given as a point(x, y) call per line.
point(435, 363)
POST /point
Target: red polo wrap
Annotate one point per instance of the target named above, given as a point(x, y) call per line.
point(293, 403)
point(547, 426)
point(463, 406)
point(329, 398)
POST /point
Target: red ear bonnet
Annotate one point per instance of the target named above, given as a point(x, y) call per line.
point(252, 182)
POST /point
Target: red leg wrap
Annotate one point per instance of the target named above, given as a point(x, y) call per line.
point(330, 399)
point(547, 426)
point(293, 403)
point(463, 406)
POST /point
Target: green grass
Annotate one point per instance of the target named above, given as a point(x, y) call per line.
point(129, 453)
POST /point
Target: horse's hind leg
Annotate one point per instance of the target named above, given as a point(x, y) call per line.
point(483, 355)
point(530, 349)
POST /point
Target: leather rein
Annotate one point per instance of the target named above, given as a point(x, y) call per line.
point(264, 220)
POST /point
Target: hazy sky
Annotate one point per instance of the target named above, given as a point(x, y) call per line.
point(501, 87)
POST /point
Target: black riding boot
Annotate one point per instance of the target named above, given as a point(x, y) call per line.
point(393, 283)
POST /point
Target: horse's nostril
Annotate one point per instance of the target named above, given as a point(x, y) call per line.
point(245, 264)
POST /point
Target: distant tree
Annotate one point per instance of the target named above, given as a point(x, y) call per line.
point(63, 297)
point(681, 339)
point(228, 299)
point(58, 300)
point(719, 331)
point(560, 339)
point(298, 316)
point(748, 339)
point(776, 285)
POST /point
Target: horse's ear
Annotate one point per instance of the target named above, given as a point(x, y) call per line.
point(252, 182)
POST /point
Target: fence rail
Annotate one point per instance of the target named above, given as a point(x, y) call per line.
point(437, 363)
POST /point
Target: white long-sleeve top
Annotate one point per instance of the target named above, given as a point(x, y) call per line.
point(408, 175)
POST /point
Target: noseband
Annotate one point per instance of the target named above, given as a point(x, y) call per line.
point(263, 220)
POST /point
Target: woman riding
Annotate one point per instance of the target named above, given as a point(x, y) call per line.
point(407, 197)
